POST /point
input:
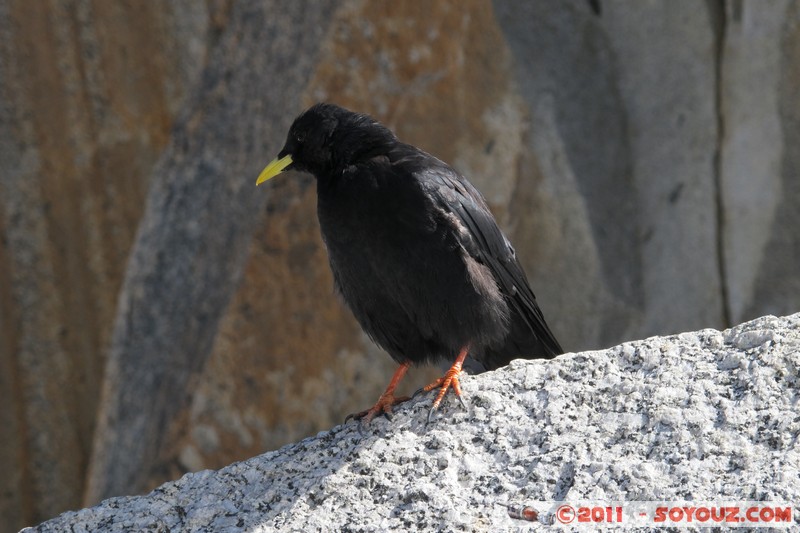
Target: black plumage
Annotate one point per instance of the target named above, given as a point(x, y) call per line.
point(415, 252)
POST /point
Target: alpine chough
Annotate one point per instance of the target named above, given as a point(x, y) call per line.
point(415, 252)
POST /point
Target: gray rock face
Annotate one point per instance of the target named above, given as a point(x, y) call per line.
point(696, 416)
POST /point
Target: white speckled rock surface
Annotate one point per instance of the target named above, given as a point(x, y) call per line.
point(705, 415)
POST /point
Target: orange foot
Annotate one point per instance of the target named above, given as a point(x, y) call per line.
point(385, 402)
point(450, 379)
point(382, 407)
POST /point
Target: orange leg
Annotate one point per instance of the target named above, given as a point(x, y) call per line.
point(449, 379)
point(387, 399)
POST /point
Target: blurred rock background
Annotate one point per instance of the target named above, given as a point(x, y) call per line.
point(160, 314)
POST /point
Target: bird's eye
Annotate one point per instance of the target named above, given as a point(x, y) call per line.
point(300, 136)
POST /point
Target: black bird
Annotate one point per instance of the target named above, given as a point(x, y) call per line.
point(415, 252)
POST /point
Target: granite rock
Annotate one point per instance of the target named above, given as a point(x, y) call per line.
point(702, 415)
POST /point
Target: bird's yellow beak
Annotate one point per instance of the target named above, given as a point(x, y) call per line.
point(275, 167)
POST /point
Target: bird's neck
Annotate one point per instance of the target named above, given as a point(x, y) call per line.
point(359, 145)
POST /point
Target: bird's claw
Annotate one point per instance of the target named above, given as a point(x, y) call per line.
point(462, 402)
point(436, 406)
point(382, 407)
point(430, 413)
point(450, 379)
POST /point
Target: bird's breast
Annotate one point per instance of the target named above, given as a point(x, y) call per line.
point(370, 209)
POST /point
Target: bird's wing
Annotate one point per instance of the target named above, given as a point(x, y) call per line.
point(484, 241)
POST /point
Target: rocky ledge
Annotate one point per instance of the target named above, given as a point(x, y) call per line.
point(707, 415)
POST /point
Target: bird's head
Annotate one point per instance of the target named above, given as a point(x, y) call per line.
point(326, 138)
